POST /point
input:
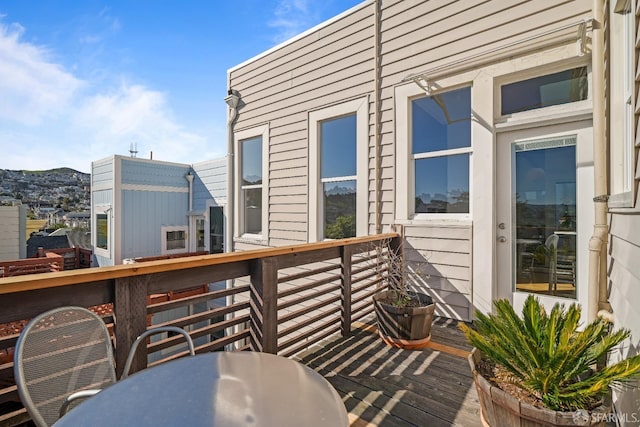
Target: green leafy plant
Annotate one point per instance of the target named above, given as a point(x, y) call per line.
point(548, 356)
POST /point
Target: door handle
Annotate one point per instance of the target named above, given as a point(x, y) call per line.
point(502, 239)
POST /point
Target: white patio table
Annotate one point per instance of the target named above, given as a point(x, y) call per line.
point(216, 389)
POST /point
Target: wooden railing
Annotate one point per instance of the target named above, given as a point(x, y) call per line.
point(278, 300)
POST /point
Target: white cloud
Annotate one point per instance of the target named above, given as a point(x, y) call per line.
point(51, 118)
point(32, 87)
point(134, 113)
point(291, 17)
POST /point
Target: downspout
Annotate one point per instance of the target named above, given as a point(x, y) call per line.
point(597, 292)
point(377, 118)
point(232, 100)
point(192, 231)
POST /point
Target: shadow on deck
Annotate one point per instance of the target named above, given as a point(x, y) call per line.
point(384, 386)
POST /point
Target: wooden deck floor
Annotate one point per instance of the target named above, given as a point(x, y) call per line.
point(384, 386)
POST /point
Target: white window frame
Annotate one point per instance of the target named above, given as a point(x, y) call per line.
point(405, 159)
point(163, 238)
point(623, 144)
point(360, 107)
point(263, 132)
point(102, 210)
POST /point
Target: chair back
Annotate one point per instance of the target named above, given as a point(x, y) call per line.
point(59, 352)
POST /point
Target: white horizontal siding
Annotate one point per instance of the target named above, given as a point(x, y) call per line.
point(442, 255)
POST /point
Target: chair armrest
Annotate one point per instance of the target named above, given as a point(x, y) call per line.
point(82, 394)
point(153, 331)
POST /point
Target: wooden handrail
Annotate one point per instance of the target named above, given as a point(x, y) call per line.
point(51, 280)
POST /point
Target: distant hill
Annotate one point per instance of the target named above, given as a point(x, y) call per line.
point(61, 171)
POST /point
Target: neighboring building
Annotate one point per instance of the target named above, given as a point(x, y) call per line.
point(144, 208)
point(34, 243)
point(483, 130)
point(77, 219)
point(13, 223)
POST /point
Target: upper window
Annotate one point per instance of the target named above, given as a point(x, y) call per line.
point(544, 91)
point(338, 176)
point(338, 187)
point(251, 185)
point(440, 150)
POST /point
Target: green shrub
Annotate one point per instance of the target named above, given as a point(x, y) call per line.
point(549, 356)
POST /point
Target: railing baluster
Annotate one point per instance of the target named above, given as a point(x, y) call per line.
point(130, 319)
point(345, 267)
point(264, 304)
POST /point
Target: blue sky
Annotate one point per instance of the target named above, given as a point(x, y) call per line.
point(82, 80)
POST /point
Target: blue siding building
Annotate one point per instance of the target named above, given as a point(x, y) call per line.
point(142, 208)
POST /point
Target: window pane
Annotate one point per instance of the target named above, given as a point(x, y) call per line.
point(102, 238)
point(441, 122)
point(544, 91)
point(216, 230)
point(442, 184)
point(253, 210)
point(200, 235)
point(252, 161)
point(176, 240)
point(546, 218)
point(339, 209)
point(338, 147)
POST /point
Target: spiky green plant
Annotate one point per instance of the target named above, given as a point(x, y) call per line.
point(547, 354)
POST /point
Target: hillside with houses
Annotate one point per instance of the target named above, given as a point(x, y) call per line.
point(48, 194)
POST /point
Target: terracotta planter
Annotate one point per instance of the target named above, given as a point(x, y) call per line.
point(404, 327)
point(500, 409)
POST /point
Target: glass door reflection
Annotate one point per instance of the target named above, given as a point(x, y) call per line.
point(545, 216)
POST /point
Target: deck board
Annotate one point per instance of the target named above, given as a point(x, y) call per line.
point(389, 387)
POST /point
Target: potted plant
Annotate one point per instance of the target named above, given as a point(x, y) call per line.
point(540, 369)
point(404, 316)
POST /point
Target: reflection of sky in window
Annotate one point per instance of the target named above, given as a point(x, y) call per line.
point(543, 91)
point(442, 121)
point(442, 178)
point(338, 147)
point(252, 161)
point(540, 172)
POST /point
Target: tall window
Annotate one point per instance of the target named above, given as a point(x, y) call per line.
point(338, 170)
point(251, 185)
point(623, 115)
point(216, 230)
point(629, 89)
point(440, 150)
point(102, 231)
point(338, 176)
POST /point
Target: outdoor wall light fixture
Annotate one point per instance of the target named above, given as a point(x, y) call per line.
point(232, 99)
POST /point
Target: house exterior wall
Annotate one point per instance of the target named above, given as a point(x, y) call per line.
point(140, 197)
point(473, 43)
point(209, 185)
point(102, 197)
point(623, 273)
point(13, 243)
